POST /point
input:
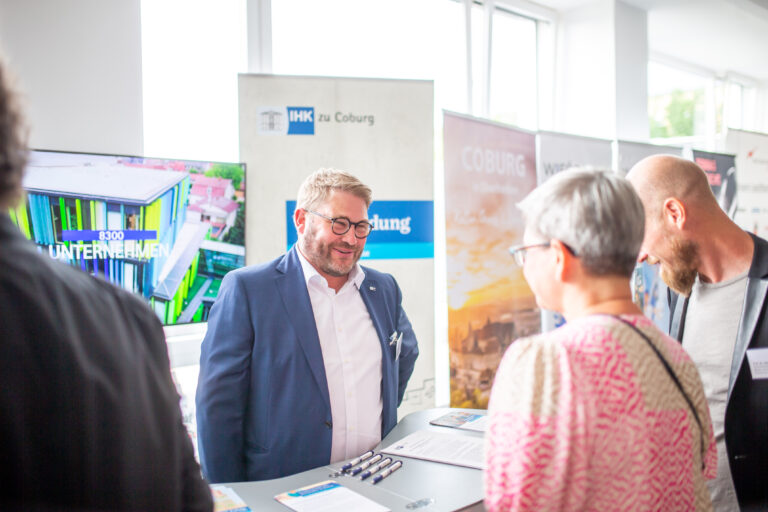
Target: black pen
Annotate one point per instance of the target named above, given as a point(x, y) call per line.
point(365, 465)
point(381, 465)
point(384, 474)
point(357, 460)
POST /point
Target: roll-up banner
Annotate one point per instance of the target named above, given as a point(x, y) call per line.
point(628, 153)
point(557, 152)
point(648, 290)
point(722, 176)
point(751, 150)
point(382, 132)
point(489, 168)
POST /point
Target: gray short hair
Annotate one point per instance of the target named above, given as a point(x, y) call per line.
point(318, 185)
point(596, 213)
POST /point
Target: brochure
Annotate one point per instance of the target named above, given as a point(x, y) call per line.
point(225, 499)
point(463, 420)
point(328, 496)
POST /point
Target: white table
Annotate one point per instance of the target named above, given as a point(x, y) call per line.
point(418, 485)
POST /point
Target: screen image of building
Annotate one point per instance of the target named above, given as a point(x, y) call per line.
point(127, 225)
point(211, 201)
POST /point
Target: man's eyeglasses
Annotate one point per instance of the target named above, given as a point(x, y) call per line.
point(340, 225)
point(518, 251)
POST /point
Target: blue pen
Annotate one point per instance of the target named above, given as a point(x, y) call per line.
point(365, 465)
point(357, 460)
point(381, 465)
point(384, 474)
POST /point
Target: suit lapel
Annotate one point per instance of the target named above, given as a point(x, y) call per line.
point(293, 292)
point(753, 305)
point(757, 287)
point(371, 299)
point(677, 324)
point(375, 302)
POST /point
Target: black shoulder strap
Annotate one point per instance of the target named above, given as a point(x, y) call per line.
point(672, 375)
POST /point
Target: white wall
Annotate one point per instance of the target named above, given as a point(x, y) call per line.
point(585, 86)
point(78, 64)
point(631, 61)
point(601, 70)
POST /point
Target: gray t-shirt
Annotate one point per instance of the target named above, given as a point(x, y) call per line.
point(711, 326)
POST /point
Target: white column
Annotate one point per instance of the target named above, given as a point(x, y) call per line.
point(601, 72)
point(631, 57)
point(259, 36)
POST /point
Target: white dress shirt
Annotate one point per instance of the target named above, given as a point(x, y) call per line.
point(352, 360)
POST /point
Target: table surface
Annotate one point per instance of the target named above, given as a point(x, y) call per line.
point(418, 485)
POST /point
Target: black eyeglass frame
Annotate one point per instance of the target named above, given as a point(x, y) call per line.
point(335, 220)
point(518, 251)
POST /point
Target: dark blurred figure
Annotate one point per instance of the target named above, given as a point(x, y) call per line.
point(89, 415)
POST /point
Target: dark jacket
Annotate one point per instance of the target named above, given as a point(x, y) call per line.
point(89, 415)
point(746, 413)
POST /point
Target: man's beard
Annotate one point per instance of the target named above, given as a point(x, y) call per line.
point(320, 254)
point(681, 273)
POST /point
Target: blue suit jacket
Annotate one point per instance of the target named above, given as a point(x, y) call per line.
point(263, 409)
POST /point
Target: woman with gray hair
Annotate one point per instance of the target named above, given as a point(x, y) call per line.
point(605, 412)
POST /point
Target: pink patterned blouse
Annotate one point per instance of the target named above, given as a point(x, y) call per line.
point(586, 418)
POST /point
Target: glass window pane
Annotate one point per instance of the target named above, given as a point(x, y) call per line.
point(734, 105)
point(374, 38)
point(749, 109)
point(513, 96)
point(676, 101)
point(478, 58)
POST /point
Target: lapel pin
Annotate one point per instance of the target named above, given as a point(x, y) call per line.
point(372, 288)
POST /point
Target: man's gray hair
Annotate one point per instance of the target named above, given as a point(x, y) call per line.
point(596, 213)
point(318, 185)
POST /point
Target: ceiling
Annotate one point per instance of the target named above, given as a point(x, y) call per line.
point(723, 36)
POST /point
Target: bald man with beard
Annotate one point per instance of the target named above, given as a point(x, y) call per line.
point(718, 278)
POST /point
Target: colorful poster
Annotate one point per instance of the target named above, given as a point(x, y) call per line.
point(751, 150)
point(721, 173)
point(648, 290)
point(489, 168)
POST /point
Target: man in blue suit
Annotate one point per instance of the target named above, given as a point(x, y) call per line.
point(306, 357)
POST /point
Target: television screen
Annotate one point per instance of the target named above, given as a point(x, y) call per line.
point(166, 230)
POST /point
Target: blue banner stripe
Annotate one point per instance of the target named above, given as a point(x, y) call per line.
point(403, 229)
point(414, 250)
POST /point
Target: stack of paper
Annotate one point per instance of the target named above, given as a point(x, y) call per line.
point(456, 449)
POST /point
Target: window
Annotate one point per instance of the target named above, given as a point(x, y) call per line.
point(676, 102)
point(374, 38)
point(513, 84)
point(695, 106)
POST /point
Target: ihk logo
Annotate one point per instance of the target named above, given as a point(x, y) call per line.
point(301, 120)
point(285, 120)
